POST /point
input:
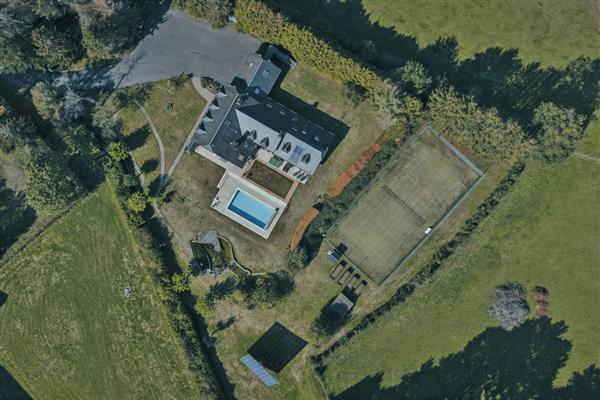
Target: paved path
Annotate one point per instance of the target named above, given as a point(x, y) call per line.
point(178, 45)
point(160, 144)
point(588, 157)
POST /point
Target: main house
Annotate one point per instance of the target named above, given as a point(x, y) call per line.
point(244, 125)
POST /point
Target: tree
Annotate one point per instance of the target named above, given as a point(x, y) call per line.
point(137, 202)
point(15, 131)
point(411, 112)
point(388, 99)
point(296, 259)
point(47, 101)
point(51, 186)
point(509, 305)
point(214, 12)
point(58, 104)
point(108, 128)
point(483, 131)
point(57, 48)
point(272, 287)
point(414, 76)
point(16, 23)
point(117, 151)
point(51, 9)
point(558, 130)
point(181, 282)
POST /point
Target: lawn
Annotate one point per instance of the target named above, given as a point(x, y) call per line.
point(270, 179)
point(544, 233)
point(173, 124)
point(69, 332)
point(552, 32)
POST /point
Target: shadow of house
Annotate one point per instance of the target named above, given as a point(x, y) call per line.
point(521, 364)
point(495, 77)
point(10, 389)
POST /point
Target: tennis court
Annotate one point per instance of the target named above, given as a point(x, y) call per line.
point(391, 217)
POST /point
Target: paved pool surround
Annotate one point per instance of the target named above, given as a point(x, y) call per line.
point(251, 211)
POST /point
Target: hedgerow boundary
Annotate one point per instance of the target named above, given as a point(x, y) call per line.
point(258, 19)
point(430, 268)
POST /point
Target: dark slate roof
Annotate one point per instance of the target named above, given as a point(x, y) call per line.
point(211, 122)
point(231, 143)
point(240, 120)
point(277, 347)
point(282, 119)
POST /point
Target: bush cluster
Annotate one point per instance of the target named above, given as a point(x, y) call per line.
point(259, 19)
point(434, 264)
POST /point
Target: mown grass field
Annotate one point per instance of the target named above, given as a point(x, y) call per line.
point(552, 32)
point(68, 331)
point(545, 233)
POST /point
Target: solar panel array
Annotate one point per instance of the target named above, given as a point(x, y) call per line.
point(258, 370)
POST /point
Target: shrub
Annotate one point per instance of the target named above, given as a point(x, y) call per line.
point(117, 152)
point(269, 288)
point(259, 19)
point(181, 282)
point(509, 305)
point(51, 186)
point(137, 202)
point(558, 130)
point(296, 259)
point(414, 77)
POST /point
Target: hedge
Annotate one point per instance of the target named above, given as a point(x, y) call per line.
point(429, 269)
point(258, 19)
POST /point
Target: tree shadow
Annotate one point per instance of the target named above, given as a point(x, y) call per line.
point(137, 138)
point(3, 298)
point(495, 77)
point(520, 364)
point(15, 215)
point(10, 388)
point(149, 165)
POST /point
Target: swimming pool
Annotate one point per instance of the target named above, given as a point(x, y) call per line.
point(251, 209)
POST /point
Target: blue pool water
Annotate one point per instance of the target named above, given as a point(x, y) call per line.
point(251, 209)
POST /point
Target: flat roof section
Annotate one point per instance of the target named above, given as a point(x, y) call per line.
point(229, 186)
